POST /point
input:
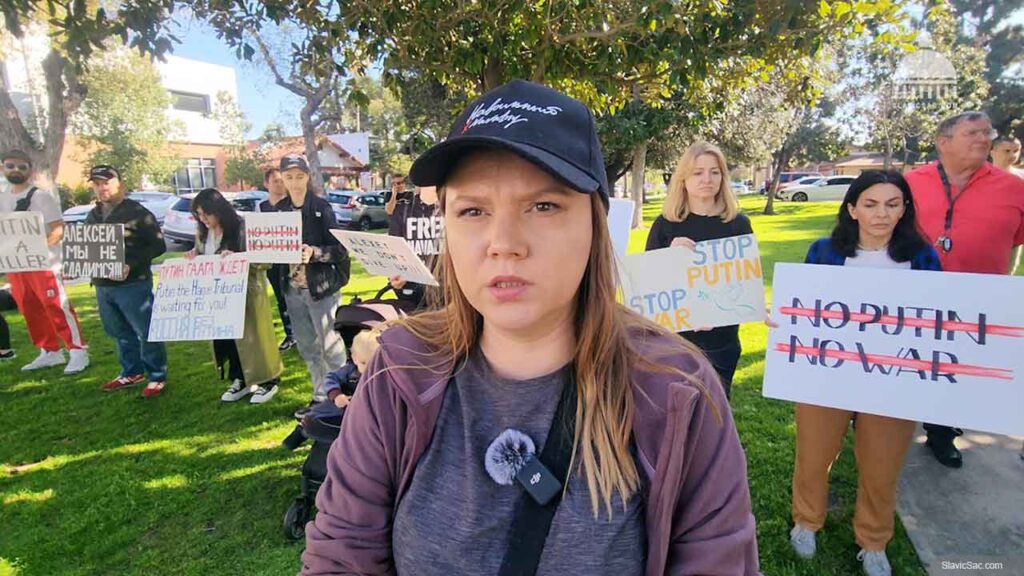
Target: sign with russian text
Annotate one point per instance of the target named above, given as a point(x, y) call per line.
point(719, 283)
point(23, 242)
point(200, 299)
point(273, 237)
point(386, 256)
point(93, 251)
point(938, 347)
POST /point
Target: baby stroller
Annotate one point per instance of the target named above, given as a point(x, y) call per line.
point(324, 422)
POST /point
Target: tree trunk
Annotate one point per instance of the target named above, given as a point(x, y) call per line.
point(888, 153)
point(637, 189)
point(312, 155)
point(771, 187)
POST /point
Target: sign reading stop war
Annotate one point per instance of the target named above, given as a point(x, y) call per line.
point(719, 283)
point(274, 237)
point(93, 251)
point(23, 242)
point(936, 347)
point(386, 256)
point(200, 299)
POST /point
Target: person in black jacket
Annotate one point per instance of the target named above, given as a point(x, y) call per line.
point(126, 305)
point(702, 206)
point(312, 288)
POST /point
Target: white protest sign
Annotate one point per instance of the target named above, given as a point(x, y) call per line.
point(620, 222)
point(273, 237)
point(717, 284)
point(935, 347)
point(23, 242)
point(386, 256)
point(200, 299)
point(93, 251)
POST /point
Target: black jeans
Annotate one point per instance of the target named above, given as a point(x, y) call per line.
point(6, 303)
point(227, 353)
point(282, 306)
point(725, 359)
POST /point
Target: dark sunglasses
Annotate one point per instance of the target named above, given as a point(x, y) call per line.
point(19, 167)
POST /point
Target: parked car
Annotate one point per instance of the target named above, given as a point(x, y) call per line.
point(249, 201)
point(357, 209)
point(739, 188)
point(804, 181)
point(787, 178)
point(830, 188)
point(156, 202)
point(179, 224)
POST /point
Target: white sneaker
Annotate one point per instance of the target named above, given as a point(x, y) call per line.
point(236, 391)
point(875, 563)
point(263, 394)
point(78, 360)
point(802, 541)
point(45, 360)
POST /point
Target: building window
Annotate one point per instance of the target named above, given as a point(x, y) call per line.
point(191, 102)
point(196, 174)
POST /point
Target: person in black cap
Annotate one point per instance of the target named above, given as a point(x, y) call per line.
point(49, 315)
point(312, 288)
point(126, 305)
point(531, 424)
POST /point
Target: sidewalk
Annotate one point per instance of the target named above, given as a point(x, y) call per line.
point(972, 515)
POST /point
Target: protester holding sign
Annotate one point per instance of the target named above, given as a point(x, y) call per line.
point(277, 193)
point(437, 469)
point(973, 213)
point(312, 288)
point(877, 229)
point(416, 217)
point(126, 304)
point(40, 294)
point(702, 206)
point(253, 361)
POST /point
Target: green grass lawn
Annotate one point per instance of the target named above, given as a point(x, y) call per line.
point(95, 483)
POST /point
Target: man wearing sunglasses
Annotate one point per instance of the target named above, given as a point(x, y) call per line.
point(40, 295)
point(974, 215)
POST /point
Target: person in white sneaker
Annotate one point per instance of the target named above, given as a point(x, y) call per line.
point(40, 294)
point(253, 361)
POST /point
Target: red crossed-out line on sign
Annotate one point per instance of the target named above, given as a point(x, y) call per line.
point(862, 318)
point(909, 363)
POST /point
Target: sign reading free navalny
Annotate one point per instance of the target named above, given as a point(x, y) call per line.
point(937, 347)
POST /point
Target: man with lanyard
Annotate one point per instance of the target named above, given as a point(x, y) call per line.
point(275, 188)
point(126, 304)
point(973, 213)
point(40, 294)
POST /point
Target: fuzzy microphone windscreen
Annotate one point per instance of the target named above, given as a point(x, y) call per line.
point(507, 455)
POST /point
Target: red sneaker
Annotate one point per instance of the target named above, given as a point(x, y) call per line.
point(152, 389)
point(123, 382)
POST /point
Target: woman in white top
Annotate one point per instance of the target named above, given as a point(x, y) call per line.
point(877, 228)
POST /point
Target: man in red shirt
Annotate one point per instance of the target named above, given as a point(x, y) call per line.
point(973, 213)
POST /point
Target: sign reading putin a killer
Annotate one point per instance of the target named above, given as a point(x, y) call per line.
point(937, 347)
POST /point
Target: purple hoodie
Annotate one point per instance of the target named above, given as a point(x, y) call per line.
point(698, 516)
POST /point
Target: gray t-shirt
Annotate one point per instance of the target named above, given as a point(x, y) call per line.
point(455, 519)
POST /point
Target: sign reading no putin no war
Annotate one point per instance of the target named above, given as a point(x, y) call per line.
point(23, 242)
point(93, 251)
point(200, 299)
point(935, 347)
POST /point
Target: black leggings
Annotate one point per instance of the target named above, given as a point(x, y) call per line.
point(725, 359)
point(227, 352)
point(6, 303)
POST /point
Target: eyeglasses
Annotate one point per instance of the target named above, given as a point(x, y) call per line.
point(988, 133)
point(20, 167)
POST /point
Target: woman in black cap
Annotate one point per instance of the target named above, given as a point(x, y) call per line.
point(531, 424)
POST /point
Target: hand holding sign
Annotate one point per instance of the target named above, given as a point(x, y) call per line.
point(386, 256)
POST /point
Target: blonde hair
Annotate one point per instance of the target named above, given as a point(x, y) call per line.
point(677, 203)
point(367, 341)
point(611, 342)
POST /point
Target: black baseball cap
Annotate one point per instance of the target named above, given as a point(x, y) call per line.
point(104, 172)
point(16, 155)
point(541, 125)
point(294, 161)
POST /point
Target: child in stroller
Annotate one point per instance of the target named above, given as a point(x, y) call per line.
point(359, 323)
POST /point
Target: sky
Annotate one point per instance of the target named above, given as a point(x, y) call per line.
point(263, 101)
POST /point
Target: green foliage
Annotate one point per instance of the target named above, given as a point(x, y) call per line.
point(123, 120)
point(243, 163)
